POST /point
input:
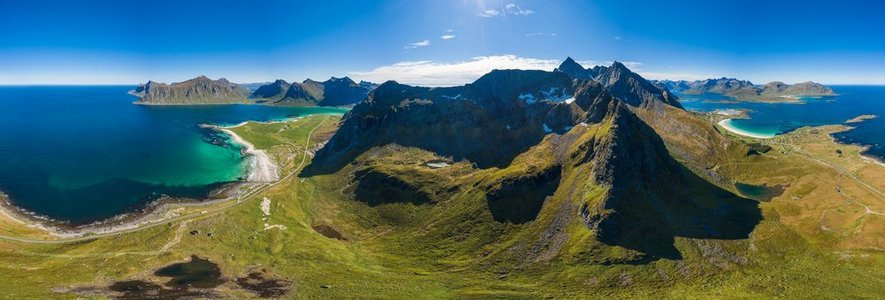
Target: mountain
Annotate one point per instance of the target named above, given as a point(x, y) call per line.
point(272, 91)
point(562, 155)
point(573, 69)
point(200, 90)
point(808, 88)
point(332, 92)
point(632, 88)
point(746, 90)
point(252, 86)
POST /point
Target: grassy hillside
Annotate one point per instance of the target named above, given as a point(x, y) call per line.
point(455, 243)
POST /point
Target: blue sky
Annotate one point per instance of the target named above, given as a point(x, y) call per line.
point(435, 42)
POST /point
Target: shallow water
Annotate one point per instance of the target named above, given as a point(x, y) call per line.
point(767, 118)
point(86, 153)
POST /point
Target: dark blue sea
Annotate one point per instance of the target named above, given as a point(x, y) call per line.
point(768, 118)
point(86, 153)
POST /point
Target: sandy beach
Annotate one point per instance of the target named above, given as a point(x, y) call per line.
point(261, 170)
point(261, 167)
point(727, 125)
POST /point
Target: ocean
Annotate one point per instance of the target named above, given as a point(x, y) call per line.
point(778, 118)
point(85, 153)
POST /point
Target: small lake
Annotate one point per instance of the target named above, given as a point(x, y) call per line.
point(762, 193)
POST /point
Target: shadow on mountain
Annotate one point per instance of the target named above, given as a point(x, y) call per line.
point(519, 200)
point(377, 188)
point(655, 199)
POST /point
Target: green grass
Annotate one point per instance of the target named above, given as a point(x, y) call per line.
point(452, 248)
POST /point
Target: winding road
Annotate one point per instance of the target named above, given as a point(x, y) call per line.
point(188, 217)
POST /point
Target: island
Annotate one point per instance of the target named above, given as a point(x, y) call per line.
point(744, 90)
point(204, 91)
point(861, 118)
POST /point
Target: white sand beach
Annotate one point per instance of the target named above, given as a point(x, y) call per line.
point(727, 125)
point(261, 167)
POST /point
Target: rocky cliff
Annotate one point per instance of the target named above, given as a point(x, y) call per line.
point(559, 153)
point(200, 90)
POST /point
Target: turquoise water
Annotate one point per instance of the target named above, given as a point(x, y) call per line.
point(85, 153)
point(850, 102)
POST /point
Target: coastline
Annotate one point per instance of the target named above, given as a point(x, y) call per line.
point(726, 123)
point(261, 167)
point(262, 170)
point(153, 213)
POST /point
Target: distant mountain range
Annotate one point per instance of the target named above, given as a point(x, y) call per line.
point(332, 92)
point(202, 90)
point(746, 90)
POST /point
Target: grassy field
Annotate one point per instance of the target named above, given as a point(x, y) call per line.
point(815, 240)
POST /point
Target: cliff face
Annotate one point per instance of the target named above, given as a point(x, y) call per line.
point(200, 90)
point(332, 92)
point(575, 70)
point(560, 154)
point(633, 89)
point(512, 109)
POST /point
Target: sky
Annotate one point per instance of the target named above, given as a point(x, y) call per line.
point(436, 42)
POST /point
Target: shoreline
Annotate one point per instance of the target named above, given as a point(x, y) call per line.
point(154, 212)
point(262, 170)
point(866, 157)
point(726, 123)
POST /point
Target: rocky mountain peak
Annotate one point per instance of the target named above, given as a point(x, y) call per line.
point(633, 89)
point(573, 69)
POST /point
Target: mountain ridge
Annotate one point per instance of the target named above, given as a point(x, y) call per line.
point(199, 90)
point(332, 92)
point(746, 90)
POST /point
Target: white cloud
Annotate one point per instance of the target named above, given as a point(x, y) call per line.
point(430, 73)
point(617, 38)
point(514, 9)
point(632, 65)
point(673, 76)
point(509, 9)
point(419, 44)
point(489, 13)
point(540, 34)
point(448, 35)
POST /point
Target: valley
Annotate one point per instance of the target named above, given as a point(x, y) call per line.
point(592, 197)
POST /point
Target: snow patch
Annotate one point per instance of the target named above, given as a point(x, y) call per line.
point(570, 100)
point(547, 129)
point(557, 94)
point(452, 97)
point(528, 98)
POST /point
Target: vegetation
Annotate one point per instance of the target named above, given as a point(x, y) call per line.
point(816, 240)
